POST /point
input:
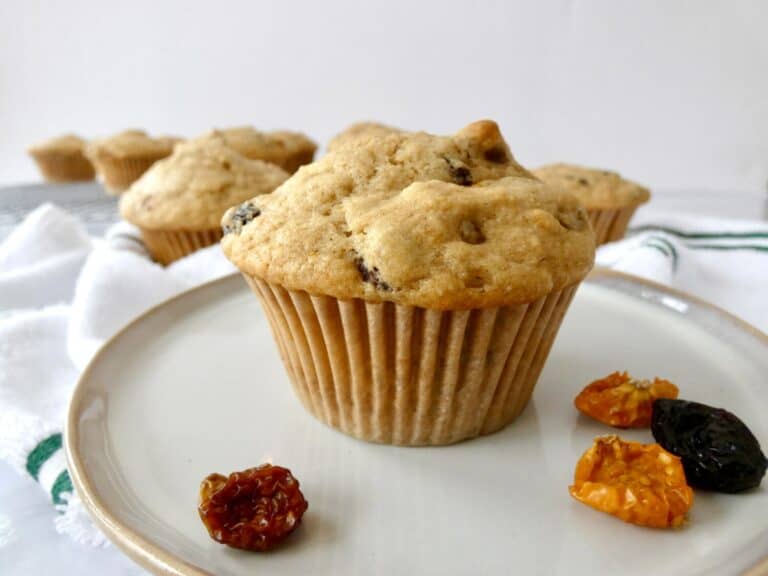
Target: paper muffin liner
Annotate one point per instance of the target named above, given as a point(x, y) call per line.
point(165, 246)
point(405, 375)
point(117, 174)
point(64, 167)
point(610, 225)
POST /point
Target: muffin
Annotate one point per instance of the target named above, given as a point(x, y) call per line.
point(610, 200)
point(62, 159)
point(289, 150)
point(178, 203)
point(360, 131)
point(414, 283)
point(121, 159)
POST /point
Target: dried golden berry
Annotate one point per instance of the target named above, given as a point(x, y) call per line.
point(640, 483)
point(621, 401)
point(254, 509)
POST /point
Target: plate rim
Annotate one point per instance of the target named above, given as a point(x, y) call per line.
point(160, 561)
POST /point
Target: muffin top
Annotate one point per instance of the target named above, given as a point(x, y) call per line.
point(593, 187)
point(446, 222)
point(360, 131)
point(65, 144)
point(194, 186)
point(132, 144)
point(289, 150)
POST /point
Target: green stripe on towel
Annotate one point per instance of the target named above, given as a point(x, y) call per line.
point(698, 235)
point(658, 248)
point(664, 246)
point(62, 484)
point(41, 453)
point(754, 247)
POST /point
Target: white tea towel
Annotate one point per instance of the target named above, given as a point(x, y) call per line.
point(82, 292)
point(42, 351)
point(40, 259)
point(722, 261)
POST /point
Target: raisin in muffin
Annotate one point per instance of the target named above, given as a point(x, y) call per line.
point(62, 159)
point(360, 131)
point(178, 203)
point(609, 199)
point(289, 150)
point(414, 283)
point(121, 159)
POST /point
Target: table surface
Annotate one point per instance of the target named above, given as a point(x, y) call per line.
point(29, 543)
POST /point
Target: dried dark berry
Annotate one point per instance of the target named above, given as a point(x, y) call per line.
point(243, 214)
point(572, 219)
point(497, 155)
point(470, 232)
point(371, 275)
point(460, 174)
point(717, 449)
point(255, 509)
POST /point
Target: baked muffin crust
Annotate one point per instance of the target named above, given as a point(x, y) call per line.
point(132, 144)
point(447, 222)
point(360, 131)
point(289, 150)
point(595, 188)
point(65, 144)
point(192, 188)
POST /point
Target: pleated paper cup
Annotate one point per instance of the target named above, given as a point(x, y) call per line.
point(610, 225)
point(166, 246)
point(64, 167)
point(405, 375)
point(117, 174)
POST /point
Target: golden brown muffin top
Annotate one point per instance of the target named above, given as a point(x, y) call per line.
point(289, 150)
point(595, 188)
point(132, 144)
point(360, 131)
point(65, 144)
point(447, 222)
point(194, 186)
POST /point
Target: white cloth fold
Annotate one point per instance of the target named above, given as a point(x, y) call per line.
point(722, 261)
point(62, 295)
point(83, 291)
point(49, 245)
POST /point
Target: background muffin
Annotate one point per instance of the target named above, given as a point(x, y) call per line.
point(121, 159)
point(178, 203)
point(289, 150)
point(609, 199)
point(360, 131)
point(414, 283)
point(62, 159)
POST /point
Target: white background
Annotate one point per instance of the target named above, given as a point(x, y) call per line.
point(672, 93)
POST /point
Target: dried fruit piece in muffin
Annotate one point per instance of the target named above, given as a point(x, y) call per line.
point(717, 449)
point(622, 401)
point(255, 509)
point(239, 216)
point(641, 484)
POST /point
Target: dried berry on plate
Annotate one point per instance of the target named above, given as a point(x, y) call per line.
point(621, 401)
point(254, 509)
point(640, 483)
point(717, 449)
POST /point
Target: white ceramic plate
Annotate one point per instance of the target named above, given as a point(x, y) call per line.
point(196, 386)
